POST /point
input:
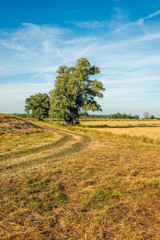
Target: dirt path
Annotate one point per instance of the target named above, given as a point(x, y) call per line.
point(68, 143)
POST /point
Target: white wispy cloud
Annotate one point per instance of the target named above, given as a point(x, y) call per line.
point(119, 15)
point(152, 15)
point(90, 24)
point(138, 22)
point(129, 62)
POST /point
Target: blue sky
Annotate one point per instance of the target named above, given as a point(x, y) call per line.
point(122, 37)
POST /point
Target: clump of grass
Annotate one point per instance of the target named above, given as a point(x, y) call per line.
point(154, 184)
point(98, 200)
point(19, 218)
point(60, 197)
point(144, 139)
point(106, 196)
point(59, 194)
point(32, 180)
point(50, 197)
point(33, 188)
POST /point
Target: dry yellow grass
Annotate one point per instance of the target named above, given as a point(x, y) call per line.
point(150, 132)
point(120, 122)
point(136, 128)
point(84, 187)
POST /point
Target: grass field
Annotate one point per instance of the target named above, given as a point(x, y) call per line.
point(140, 129)
point(99, 180)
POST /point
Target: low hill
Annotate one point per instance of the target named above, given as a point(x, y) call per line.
point(14, 124)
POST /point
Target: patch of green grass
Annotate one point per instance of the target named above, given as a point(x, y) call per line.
point(33, 188)
point(32, 180)
point(36, 193)
point(36, 185)
point(140, 186)
point(100, 193)
point(154, 184)
point(98, 200)
point(60, 197)
point(102, 198)
point(108, 195)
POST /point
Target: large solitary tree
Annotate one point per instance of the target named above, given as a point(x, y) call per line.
point(39, 105)
point(74, 91)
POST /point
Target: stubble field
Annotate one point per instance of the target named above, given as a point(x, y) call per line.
point(99, 180)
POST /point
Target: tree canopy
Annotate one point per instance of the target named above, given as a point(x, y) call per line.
point(39, 105)
point(146, 115)
point(74, 91)
point(152, 117)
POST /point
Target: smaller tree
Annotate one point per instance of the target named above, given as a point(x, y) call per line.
point(136, 117)
point(39, 105)
point(146, 115)
point(152, 117)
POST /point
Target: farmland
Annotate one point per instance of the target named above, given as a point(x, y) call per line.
point(99, 180)
point(132, 128)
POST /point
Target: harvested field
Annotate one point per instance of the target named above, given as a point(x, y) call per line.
point(140, 129)
point(74, 185)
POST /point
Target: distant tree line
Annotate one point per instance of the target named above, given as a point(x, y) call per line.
point(92, 116)
point(111, 116)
